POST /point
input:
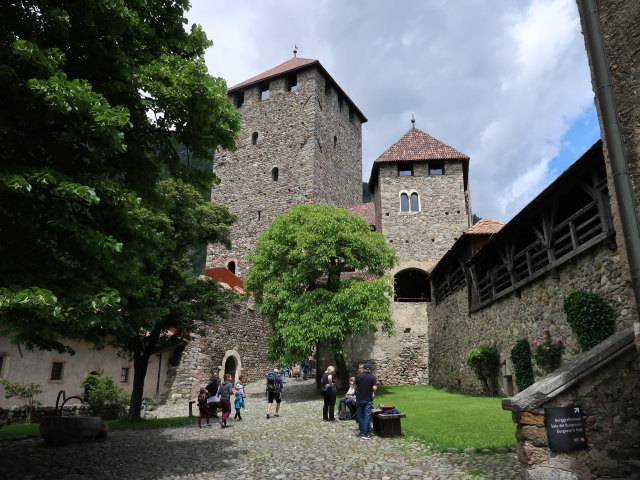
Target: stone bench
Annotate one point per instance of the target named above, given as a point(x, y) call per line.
point(387, 425)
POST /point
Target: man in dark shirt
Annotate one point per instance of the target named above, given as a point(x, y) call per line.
point(366, 385)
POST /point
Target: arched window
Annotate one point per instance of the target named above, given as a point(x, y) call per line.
point(254, 138)
point(412, 285)
point(414, 204)
point(409, 202)
point(274, 174)
point(231, 266)
point(404, 202)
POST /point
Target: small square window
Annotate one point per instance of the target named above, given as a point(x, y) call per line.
point(405, 169)
point(264, 91)
point(57, 370)
point(436, 167)
point(292, 83)
point(124, 375)
point(238, 99)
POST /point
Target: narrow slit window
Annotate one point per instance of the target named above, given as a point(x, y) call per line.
point(275, 173)
point(254, 138)
point(335, 142)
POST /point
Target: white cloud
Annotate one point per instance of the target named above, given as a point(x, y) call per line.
point(501, 81)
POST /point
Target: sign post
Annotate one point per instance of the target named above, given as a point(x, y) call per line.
point(565, 429)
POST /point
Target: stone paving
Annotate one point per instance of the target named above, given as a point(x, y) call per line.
point(297, 445)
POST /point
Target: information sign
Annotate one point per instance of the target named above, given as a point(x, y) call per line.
point(565, 429)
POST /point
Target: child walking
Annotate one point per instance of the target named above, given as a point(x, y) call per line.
point(240, 392)
point(237, 403)
point(203, 407)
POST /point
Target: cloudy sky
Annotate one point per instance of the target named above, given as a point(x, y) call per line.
point(506, 82)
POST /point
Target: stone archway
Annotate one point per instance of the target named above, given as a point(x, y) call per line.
point(231, 363)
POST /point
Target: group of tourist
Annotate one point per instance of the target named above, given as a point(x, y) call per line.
point(358, 399)
point(214, 399)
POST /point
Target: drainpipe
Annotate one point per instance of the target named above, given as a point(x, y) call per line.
point(615, 145)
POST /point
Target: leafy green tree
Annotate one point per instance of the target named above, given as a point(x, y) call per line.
point(95, 98)
point(297, 278)
point(176, 302)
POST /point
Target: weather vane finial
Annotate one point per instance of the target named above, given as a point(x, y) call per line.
point(413, 121)
point(295, 50)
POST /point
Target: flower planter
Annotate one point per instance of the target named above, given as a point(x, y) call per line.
point(63, 430)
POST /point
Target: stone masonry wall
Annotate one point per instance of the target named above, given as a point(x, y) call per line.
point(398, 360)
point(242, 336)
point(619, 21)
point(453, 331)
point(296, 131)
point(426, 235)
point(608, 398)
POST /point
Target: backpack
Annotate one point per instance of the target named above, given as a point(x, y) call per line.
point(343, 412)
point(273, 382)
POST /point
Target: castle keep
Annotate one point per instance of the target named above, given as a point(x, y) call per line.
point(300, 142)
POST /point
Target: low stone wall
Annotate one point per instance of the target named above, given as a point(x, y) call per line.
point(605, 383)
point(453, 331)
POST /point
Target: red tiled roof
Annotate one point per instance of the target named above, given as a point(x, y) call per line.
point(291, 64)
point(224, 275)
point(417, 145)
point(365, 210)
point(485, 226)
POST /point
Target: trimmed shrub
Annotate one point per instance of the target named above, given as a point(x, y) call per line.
point(485, 363)
point(591, 318)
point(104, 397)
point(522, 366)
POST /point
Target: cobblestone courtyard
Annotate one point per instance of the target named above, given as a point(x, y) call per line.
point(297, 445)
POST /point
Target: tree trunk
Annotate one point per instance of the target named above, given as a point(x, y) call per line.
point(140, 365)
point(341, 371)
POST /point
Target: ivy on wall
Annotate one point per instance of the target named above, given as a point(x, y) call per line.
point(591, 318)
point(522, 366)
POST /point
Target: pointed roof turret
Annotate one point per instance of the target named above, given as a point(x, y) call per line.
point(416, 146)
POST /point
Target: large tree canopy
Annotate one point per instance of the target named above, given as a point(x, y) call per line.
point(94, 98)
point(175, 303)
point(298, 280)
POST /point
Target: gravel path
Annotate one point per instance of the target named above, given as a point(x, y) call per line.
point(298, 445)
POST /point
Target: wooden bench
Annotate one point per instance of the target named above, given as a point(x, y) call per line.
point(387, 425)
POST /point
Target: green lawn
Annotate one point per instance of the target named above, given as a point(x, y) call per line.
point(21, 429)
point(446, 419)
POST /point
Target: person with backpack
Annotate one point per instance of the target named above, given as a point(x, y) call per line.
point(329, 393)
point(274, 390)
point(203, 407)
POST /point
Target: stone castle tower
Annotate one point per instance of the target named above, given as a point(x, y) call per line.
point(300, 142)
point(421, 206)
